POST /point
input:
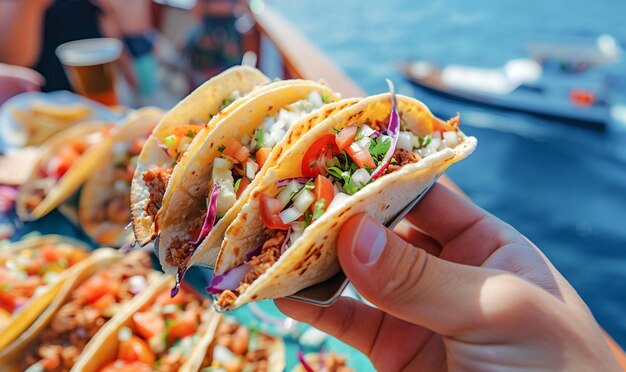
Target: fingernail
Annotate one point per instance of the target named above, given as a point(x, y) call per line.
point(369, 241)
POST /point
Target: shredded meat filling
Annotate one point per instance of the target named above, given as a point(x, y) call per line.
point(156, 181)
point(179, 250)
point(335, 363)
point(34, 199)
point(77, 321)
point(270, 252)
point(401, 158)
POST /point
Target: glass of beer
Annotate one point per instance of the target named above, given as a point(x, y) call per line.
point(90, 65)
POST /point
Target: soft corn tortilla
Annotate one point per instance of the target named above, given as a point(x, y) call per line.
point(95, 191)
point(276, 360)
point(104, 345)
point(23, 318)
point(184, 203)
point(313, 258)
point(12, 353)
point(75, 175)
point(202, 105)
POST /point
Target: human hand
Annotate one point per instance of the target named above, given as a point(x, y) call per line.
point(475, 295)
point(17, 79)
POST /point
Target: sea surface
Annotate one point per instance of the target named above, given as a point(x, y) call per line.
point(562, 186)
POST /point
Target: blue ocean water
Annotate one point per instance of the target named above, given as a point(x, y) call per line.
point(562, 186)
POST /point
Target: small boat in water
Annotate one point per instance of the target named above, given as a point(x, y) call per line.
point(557, 82)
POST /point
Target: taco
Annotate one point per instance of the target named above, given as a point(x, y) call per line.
point(371, 157)
point(158, 334)
point(217, 177)
point(85, 304)
point(32, 272)
point(322, 361)
point(190, 119)
point(232, 346)
point(104, 205)
point(65, 161)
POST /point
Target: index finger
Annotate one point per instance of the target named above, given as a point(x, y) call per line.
point(443, 214)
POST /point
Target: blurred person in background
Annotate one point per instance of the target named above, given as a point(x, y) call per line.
point(17, 79)
point(31, 30)
point(216, 43)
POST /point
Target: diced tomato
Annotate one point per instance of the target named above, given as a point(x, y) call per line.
point(51, 361)
point(242, 186)
point(49, 253)
point(123, 366)
point(58, 165)
point(95, 287)
point(314, 159)
point(182, 326)
point(165, 297)
point(78, 146)
point(148, 324)
point(189, 130)
point(35, 265)
point(135, 349)
point(269, 209)
point(262, 154)
point(362, 157)
point(104, 302)
point(8, 301)
point(323, 190)
point(346, 136)
point(232, 147)
point(242, 154)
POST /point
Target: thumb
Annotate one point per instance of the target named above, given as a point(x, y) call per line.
point(412, 285)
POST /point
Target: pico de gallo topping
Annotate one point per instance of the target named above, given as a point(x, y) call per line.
point(162, 335)
point(28, 272)
point(334, 167)
point(116, 207)
point(55, 167)
point(175, 144)
point(234, 170)
point(88, 308)
point(238, 348)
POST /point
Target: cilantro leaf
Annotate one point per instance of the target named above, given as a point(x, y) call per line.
point(191, 133)
point(308, 218)
point(319, 208)
point(236, 186)
point(221, 148)
point(309, 186)
point(425, 141)
point(325, 98)
point(378, 148)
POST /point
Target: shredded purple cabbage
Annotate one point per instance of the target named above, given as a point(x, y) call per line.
point(285, 182)
point(283, 247)
point(393, 130)
point(128, 247)
point(255, 252)
point(304, 363)
point(211, 215)
point(229, 280)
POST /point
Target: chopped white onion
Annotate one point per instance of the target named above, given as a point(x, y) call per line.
point(285, 195)
point(137, 283)
point(250, 169)
point(361, 177)
point(225, 199)
point(365, 130)
point(223, 355)
point(124, 334)
point(157, 343)
point(434, 145)
point(277, 135)
point(223, 176)
point(451, 138)
point(355, 147)
point(303, 200)
point(404, 141)
point(290, 214)
point(221, 163)
point(283, 119)
point(297, 226)
point(364, 142)
point(268, 122)
point(436, 135)
point(245, 140)
point(338, 199)
point(315, 98)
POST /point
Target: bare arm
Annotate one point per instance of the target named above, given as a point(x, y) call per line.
point(20, 30)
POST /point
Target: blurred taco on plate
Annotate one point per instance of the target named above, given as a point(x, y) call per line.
point(190, 119)
point(375, 157)
point(231, 346)
point(32, 272)
point(104, 205)
point(65, 162)
point(322, 361)
point(83, 306)
point(158, 334)
point(220, 172)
